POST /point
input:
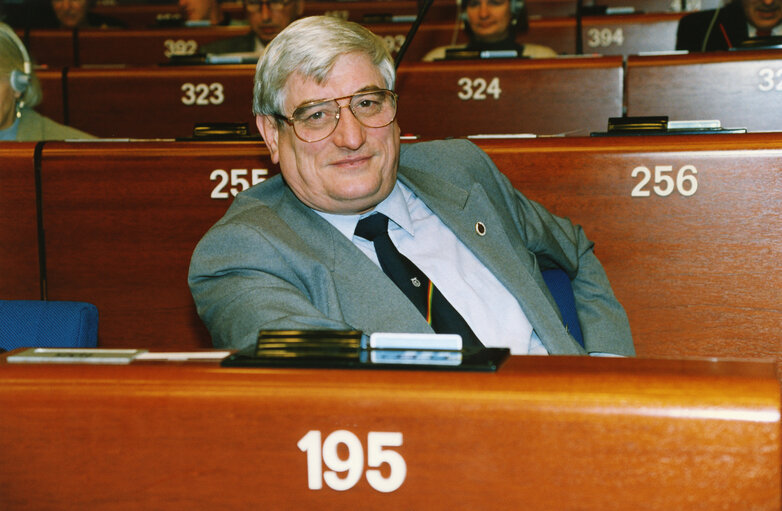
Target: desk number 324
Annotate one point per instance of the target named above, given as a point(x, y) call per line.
point(344, 473)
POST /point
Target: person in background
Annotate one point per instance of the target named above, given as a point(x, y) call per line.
point(308, 248)
point(203, 12)
point(266, 19)
point(494, 25)
point(20, 91)
point(727, 27)
point(73, 14)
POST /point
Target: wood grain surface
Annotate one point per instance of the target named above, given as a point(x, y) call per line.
point(727, 86)
point(542, 433)
point(20, 278)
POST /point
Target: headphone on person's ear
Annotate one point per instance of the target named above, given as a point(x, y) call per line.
point(20, 80)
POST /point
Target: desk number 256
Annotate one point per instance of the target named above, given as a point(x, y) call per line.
point(327, 452)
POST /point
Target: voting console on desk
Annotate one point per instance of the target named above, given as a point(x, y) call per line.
point(541, 433)
point(351, 349)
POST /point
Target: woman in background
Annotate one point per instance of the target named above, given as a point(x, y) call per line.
point(494, 25)
point(20, 91)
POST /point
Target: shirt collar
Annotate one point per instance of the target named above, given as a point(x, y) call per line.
point(394, 207)
point(10, 132)
point(753, 32)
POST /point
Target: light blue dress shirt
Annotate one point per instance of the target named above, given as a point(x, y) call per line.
point(488, 307)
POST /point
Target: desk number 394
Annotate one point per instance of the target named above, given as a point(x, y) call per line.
point(328, 452)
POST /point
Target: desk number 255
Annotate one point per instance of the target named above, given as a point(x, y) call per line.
point(327, 452)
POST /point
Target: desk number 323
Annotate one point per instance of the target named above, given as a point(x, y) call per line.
point(328, 452)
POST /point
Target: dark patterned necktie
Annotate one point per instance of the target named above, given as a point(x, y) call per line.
point(414, 283)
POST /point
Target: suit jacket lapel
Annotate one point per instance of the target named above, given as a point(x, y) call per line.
point(461, 210)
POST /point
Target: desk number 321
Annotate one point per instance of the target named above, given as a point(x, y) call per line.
point(327, 452)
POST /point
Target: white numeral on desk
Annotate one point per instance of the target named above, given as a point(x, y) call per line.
point(686, 183)
point(352, 467)
point(179, 47)
point(478, 88)
point(605, 37)
point(237, 180)
point(770, 80)
point(202, 94)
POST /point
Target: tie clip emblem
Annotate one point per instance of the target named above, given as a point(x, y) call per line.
point(415, 282)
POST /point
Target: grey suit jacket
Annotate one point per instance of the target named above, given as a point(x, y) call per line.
point(34, 126)
point(273, 263)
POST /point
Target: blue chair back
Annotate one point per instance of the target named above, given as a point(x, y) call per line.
point(47, 324)
point(562, 290)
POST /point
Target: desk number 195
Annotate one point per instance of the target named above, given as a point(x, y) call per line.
point(353, 466)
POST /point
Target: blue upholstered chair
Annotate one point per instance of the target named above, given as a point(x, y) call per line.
point(562, 290)
point(47, 324)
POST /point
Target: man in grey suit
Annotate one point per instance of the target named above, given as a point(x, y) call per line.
point(286, 256)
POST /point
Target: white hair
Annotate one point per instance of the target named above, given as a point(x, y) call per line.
point(310, 46)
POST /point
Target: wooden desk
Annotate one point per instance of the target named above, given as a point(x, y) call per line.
point(544, 96)
point(54, 48)
point(20, 279)
point(741, 89)
point(53, 103)
point(630, 34)
point(556, 33)
point(145, 15)
point(697, 274)
point(544, 432)
point(697, 270)
point(158, 102)
point(147, 46)
point(121, 222)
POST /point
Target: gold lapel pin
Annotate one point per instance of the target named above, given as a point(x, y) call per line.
point(480, 228)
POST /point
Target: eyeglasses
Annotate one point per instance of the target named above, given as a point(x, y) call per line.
point(312, 122)
point(273, 5)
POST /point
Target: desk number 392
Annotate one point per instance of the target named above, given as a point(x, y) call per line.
point(327, 452)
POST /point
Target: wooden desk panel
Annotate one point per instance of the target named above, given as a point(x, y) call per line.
point(149, 46)
point(546, 432)
point(365, 11)
point(738, 88)
point(158, 102)
point(122, 220)
point(545, 96)
point(53, 104)
point(698, 275)
point(145, 16)
point(54, 48)
point(19, 279)
point(630, 34)
point(557, 33)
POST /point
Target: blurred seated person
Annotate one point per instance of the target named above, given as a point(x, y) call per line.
point(20, 91)
point(72, 14)
point(266, 19)
point(494, 25)
point(727, 27)
point(203, 12)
